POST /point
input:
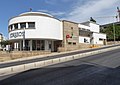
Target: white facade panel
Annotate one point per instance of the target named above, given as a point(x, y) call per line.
point(45, 27)
point(94, 27)
point(83, 26)
point(97, 36)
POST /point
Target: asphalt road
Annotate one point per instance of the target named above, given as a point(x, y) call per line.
point(101, 69)
point(50, 57)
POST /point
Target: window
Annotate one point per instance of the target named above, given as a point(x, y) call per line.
point(31, 24)
point(22, 25)
point(49, 46)
point(10, 28)
point(69, 43)
point(42, 45)
point(74, 43)
point(85, 40)
point(71, 28)
point(16, 26)
point(100, 39)
point(84, 33)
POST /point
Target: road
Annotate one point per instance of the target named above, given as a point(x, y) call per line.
point(99, 69)
point(50, 57)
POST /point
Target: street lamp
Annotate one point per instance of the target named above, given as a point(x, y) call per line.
point(23, 39)
point(114, 31)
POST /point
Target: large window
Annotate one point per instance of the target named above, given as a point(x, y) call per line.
point(22, 25)
point(38, 45)
point(31, 24)
point(16, 26)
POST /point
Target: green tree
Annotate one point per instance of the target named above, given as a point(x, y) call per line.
point(109, 31)
point(4, 43)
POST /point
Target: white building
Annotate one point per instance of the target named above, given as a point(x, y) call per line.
point(90, 33)
point(41, 31)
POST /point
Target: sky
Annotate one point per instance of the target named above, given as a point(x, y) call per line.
point(73, 10)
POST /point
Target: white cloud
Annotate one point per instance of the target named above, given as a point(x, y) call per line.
point(57, 1)
point(54, 13)
point(58, 13)
point(82, 12)
point(50, 2)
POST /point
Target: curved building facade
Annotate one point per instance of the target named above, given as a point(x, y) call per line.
point(35, 31)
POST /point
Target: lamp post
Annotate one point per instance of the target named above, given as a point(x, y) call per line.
point(23, 39)
point(114, 32)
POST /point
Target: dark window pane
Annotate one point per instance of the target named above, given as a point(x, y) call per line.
point(74, 43)
point(31, 24)
point(22, 25)
point(16, 26)
point(69, 43)
point(10, 28)
point(100, 39)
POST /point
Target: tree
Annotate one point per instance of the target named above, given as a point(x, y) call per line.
point(109, 31)
point(4, 43)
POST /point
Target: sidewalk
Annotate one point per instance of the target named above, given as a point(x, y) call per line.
point(23, 65)
point(47, 57)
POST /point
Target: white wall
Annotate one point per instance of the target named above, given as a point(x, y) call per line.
point(46, 27)
point(81, 39)
point(83, 26)
point(96, 37)
point(94, 27)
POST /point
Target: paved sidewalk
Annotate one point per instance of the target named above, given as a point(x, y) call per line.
point(47, 57)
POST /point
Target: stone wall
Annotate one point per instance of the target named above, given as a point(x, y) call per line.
point(71, 29)
point(84, 46)
point(112, 42)
point(21, 54)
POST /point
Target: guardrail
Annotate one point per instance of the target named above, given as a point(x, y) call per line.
point(24, 67)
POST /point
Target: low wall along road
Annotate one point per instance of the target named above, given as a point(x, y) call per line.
point(5, 56)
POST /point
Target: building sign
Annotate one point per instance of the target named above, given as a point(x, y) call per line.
point(16, 34)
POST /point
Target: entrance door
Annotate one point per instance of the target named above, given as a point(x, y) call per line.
point(56, 45)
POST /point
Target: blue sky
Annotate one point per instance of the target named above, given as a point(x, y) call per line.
point(74, 10)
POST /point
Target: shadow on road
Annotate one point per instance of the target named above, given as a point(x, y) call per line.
point(66, 75)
